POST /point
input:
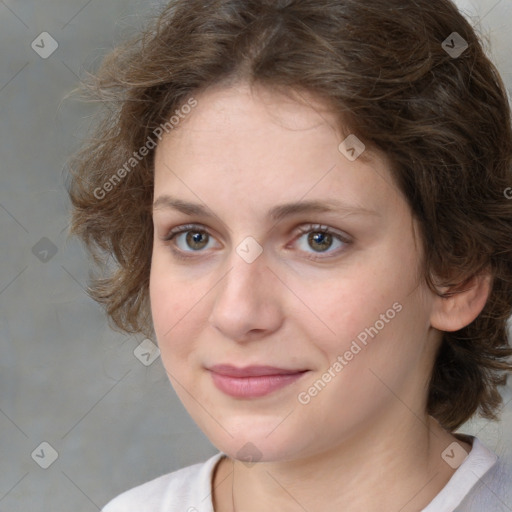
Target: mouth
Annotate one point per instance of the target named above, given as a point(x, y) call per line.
point(253, 381)
point(252, 371)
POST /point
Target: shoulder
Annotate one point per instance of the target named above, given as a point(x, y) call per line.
point(187, 490)
point(482, 482)
point(492, 491)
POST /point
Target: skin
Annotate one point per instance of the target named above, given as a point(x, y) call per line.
point(365, 441)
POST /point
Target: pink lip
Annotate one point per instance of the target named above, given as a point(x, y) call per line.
point(252, 381)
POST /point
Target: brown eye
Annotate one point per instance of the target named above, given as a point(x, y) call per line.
point(316, 239)
point(196, 240)
point(320, 241)
point(188, 239)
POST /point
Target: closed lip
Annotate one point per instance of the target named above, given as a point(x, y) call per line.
point(252, 371)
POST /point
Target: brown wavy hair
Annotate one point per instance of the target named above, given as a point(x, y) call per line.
point(443, 121)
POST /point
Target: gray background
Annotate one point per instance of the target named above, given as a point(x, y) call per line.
point(65, 377)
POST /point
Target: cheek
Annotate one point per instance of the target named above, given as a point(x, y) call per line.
point(172, 303)
point(342, 306)
point(162, 300)
point(377, 304)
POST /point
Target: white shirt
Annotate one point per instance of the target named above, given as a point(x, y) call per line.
point(481, 483)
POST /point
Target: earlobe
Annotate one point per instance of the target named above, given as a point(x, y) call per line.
point(462, 303)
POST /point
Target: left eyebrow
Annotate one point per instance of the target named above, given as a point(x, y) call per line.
point(276, 213)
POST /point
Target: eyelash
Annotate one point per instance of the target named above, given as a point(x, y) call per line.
point(311, 228)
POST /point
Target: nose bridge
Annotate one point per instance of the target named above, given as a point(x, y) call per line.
point(248, 272)
point(245, 299)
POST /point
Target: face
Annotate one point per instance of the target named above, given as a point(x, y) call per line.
point(327, 290)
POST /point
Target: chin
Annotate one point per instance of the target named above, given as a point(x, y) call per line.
point(252, 445)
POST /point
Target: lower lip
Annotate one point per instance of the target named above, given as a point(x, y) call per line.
point(252, 387)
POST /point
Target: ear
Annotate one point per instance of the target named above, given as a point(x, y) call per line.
point(463, 305)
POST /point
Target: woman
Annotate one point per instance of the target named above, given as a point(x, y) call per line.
point(306, 203)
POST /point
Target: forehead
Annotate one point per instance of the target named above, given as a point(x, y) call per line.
point(252, 109)
point(251, 139)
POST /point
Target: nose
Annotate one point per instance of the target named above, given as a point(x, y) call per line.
point(247, 303)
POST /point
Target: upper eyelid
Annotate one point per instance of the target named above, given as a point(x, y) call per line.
point(184, 228)
point(315, 226)
point(301, 230)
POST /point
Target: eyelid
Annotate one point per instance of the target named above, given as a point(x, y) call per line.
point(345, 239)
point(303, 229)
point(183, 228)
point(324, 228)
point(178, 230)
point(300, 231)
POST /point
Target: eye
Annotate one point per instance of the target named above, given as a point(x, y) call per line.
point(193, 238)
point(321, 239)
point(188, 238)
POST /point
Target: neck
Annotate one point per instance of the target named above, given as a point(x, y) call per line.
point(402, 470)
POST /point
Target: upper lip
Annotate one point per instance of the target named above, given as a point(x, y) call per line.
point(251, 371)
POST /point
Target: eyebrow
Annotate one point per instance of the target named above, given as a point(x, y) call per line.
point(277, 213)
